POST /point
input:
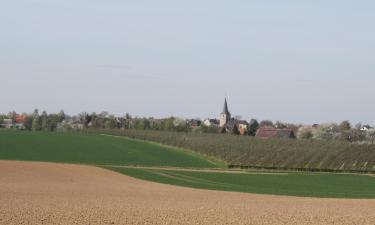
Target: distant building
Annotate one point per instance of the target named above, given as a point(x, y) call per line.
point(211, 122)
point(237, 126)
point(225, 115)
point(20, 119)
point(271, 132)
point(231, 125)
point(7, 123)
point(365, 128)
point(194, 123)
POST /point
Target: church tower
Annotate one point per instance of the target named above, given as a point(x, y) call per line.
point(225, 115)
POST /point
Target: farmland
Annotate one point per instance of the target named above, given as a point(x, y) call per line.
point(128, 156)
point(93, 149)
point(56, 193)
point(308, 155)
point(277, 183)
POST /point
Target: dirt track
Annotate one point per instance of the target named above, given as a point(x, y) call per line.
point(46, 193)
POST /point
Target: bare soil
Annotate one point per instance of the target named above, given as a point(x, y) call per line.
point(47, 193)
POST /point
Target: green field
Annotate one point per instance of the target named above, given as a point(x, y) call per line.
point(324, 185)
point(93, 149)
point(116, 152)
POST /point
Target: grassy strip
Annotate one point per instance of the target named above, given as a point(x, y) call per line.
point(323, 185)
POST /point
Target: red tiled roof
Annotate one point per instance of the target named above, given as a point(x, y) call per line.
point(270, 132)
point(20, 118)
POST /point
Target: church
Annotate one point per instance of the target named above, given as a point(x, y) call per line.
point(232, 125)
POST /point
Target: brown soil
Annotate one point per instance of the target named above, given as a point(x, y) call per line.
point(46, 193)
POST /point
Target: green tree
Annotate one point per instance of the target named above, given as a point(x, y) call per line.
point(110, 122)
point(235, 130)
point(168, 124)
point(53, 120)
point(253, 127)
point(44, 120)
point(181, 125)
point(36, 124)
point(28, 124)
point(61, 116)
point(35, 113)
point(143, 124)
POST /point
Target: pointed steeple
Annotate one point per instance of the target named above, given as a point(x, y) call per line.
point(225, 115)
point(225, 108)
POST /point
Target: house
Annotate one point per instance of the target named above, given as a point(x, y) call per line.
point(365, 128)
point(7, 123)
point(20, 119)
point(271, 132)
point(242, 126)
point(211, 122)
point(237, 126)
point(194, 123)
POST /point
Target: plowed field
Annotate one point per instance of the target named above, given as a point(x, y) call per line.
point(48, 193)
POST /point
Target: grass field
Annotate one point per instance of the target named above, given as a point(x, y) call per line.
point(115, 152)
point(292, 184)
point(93, 149)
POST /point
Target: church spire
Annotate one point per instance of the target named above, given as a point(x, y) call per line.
point(225, 108)
point(225, 115)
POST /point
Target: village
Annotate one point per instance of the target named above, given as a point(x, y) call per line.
point(225, 123)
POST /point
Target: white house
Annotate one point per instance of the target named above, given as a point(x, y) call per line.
point(7, 123)
point(366, 128)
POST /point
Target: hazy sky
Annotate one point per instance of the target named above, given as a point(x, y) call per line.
point(292, 60)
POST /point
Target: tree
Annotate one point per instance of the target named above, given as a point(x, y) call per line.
point(35, 113)
point(266, 123)
point(36, 124)
point(344, 126)
point(127, 123)
point(356, 135)
point(168, 124)
point(235, 130)
point(181, 125)
point(110, 123)
point(325, 131)
point(280, 125)
point(143, 124)
point(53, 120)
point(305, 132)
point(61, 116)
point(28, 124)
point(44, 120)
point(371, 135)
point(253, 127)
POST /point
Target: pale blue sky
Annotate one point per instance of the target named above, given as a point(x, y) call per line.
point(292, 60)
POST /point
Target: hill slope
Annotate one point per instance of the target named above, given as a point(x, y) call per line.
point(271, 153)
point(93, 149)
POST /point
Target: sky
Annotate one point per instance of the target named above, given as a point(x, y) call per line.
point(294, 61)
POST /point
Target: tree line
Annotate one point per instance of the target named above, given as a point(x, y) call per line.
point(60, 121)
